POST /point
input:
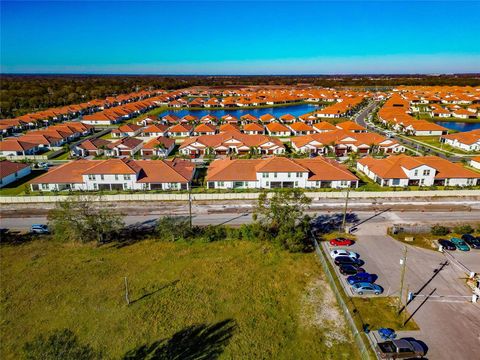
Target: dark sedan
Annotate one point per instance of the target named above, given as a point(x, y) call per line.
point(347, 260)
point(472, 241)
point(447, 244)
point(350, 270)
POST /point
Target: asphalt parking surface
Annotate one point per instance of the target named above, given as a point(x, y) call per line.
point(449, 323)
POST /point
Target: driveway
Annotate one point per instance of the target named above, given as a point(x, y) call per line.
point(449, 323)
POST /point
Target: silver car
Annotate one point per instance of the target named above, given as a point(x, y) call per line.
point(366, 288)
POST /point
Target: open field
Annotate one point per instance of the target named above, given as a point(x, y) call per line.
point(275, 304)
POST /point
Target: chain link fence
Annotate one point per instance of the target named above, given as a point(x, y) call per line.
point(364, 352)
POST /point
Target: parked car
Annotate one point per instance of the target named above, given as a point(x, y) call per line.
point(447, 245)
point(361, 277)
point(400, 349)
point(350, 270)
point(347, 260)
point(460, 244)
point(341, 242)
point(340, 252)
point(367, 288)
point(472, 241)
point(39, 229)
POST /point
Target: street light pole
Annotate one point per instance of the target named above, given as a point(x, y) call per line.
point(190, 204)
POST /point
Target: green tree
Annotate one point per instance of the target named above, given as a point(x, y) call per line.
point(463, 229)
point(439, 230)
point(170, 228)
point(283, 216)
point(60, 345)
point(78, 220)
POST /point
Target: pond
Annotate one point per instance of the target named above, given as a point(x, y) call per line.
point(295, 110)
point(460, 126)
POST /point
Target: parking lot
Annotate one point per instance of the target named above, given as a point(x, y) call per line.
point(449, 323)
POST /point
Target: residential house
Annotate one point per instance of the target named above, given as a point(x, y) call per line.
point(253, 129)
point(403, 170)
point(301, 128)
point(467, 141)
point(117, 174)
point(475, 162)
point(155, 130)
point(90, 147)
point(12, 171)
point(170, 119)
point(350, 126)
point(204, 129)
point(342, 142)
point(128, 146)
point(267, 118)
point(231, 143)
point(180, 130)
point(324, 126)
point(278, 172)
point(287, 119)
point(160, 146)
point(126, 130)
point(277, 129)
point(15, 147)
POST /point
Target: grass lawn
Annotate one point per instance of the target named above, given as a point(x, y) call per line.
point(435, 141)
point(18, 187)
point(380, 312)
point(276, 305)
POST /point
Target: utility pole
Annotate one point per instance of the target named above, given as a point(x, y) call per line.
point(403, 262)
point(190, 204)
point(345, 210)
point(126, 291)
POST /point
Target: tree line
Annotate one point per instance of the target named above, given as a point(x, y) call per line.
point(21, 94)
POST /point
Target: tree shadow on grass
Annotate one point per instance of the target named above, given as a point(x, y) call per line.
point(196, 342)
point(173, 283)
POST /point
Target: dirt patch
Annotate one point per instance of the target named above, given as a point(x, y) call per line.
point(320, 310)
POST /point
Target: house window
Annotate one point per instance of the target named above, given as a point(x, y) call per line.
point(426, 172)
point(102, 177)
point(343, 183)
point(296, 183)
point(91, 177)
point(317, 183)
point(265, 175)
point(126, 177)
point(299, 174)
point(274, 175)
point(288, 174)
point(396, 182)
point(220, 183)
point(415, 173)
point(267, 184)
point(116, 177)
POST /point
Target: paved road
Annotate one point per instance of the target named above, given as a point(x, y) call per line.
point(361, 120)
point(450, 326)
point(238, 218)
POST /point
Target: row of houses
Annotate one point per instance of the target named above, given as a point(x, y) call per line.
point(125, 112)
point(267, 173)
point(466, 141)
point(50, 138)
point(455, 111)
point(272, 129)
point(395, 114)
point(57, 115)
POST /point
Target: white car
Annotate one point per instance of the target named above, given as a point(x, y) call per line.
point(341, 252)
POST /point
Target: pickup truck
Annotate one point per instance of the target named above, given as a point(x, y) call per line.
point(400, 349)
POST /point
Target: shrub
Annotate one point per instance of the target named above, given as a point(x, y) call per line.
point(60, 345)
point(439, 230)
point(463, 229)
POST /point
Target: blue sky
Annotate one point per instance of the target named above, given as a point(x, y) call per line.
point(240, 37)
